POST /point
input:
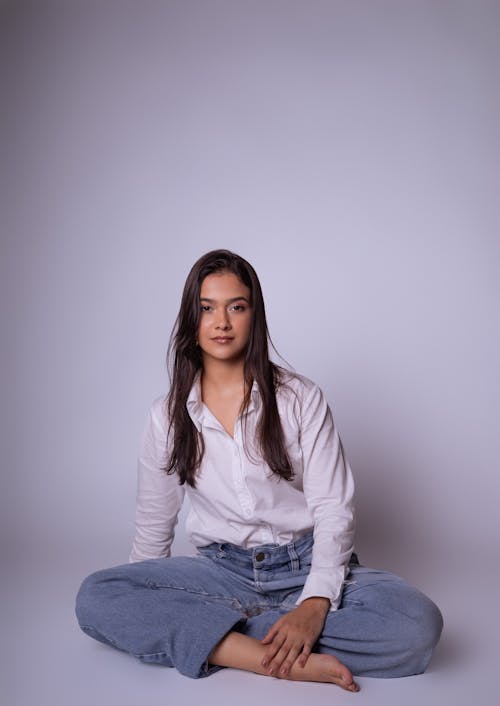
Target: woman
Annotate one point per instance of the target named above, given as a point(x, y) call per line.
point(275, 587)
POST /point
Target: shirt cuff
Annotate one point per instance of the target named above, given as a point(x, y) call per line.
point(329, 586)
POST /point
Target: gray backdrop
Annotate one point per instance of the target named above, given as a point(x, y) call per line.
point(350, 151)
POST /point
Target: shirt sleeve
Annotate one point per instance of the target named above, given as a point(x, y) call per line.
point(328, 488)
point(159, 496)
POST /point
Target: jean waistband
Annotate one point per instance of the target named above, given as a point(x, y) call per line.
point(263, 553)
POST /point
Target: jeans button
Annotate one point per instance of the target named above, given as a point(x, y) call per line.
point(260, 556)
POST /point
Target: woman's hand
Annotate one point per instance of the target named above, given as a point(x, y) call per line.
point(293, 636)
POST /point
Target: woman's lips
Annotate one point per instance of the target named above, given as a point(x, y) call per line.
point(222, 340)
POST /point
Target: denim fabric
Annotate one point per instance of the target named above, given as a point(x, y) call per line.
point(174, 611)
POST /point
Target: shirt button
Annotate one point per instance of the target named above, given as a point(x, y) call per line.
point(260, 556)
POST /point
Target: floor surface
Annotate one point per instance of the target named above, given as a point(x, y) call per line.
point(46, 660)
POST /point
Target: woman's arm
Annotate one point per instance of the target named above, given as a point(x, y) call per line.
point(159, 496)
point(328, 489)
point(329, 493)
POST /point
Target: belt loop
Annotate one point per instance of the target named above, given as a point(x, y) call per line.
point(294, 557)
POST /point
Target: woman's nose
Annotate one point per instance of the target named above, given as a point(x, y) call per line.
point(223, 320)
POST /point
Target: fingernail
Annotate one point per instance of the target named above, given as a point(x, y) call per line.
point(264, 662)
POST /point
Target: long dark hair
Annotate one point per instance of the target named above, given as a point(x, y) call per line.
point(184, 360)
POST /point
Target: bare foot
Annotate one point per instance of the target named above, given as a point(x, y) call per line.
point(324, 668)
point(243, 652)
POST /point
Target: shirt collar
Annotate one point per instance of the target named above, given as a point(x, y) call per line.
point(194, 403)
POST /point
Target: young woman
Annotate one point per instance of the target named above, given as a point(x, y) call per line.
point(275, 587)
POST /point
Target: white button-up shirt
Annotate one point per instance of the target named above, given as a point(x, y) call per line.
point(238, 499)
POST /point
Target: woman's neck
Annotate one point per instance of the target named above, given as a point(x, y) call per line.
point(218, 374)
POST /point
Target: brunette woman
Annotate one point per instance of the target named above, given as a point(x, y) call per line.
point(275, 587)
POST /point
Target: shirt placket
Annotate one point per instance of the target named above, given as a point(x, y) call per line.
point(239, 480)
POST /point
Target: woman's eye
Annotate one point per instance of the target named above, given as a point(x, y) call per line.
point(205, 307)
point(238, 307)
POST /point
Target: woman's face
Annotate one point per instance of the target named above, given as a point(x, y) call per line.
point(225, 317)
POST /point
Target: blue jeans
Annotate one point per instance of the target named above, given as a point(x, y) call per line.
point(174, 611)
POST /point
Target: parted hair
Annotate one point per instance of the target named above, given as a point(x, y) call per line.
point(185, 446)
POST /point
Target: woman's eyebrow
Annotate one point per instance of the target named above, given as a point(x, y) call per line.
point(228, 301)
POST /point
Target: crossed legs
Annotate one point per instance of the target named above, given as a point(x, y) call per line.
point(185, 612)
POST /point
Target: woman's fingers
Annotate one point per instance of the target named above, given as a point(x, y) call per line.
point(289, 659)
point(273, 650)
point(306, 651)
point(270, 635)
point(283, 657)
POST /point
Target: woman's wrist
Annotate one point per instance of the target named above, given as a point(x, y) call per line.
point(318, 603)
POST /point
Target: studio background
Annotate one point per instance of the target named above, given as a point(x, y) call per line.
point(350, 152)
